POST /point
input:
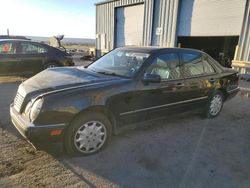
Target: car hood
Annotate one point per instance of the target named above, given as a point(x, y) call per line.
point(55, 79)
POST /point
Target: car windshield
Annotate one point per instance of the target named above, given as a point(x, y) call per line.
point(119, 62)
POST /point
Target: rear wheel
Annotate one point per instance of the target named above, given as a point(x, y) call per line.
point(88, 134)
point(215, 104)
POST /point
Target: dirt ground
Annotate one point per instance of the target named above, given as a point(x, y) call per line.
point(182, 151)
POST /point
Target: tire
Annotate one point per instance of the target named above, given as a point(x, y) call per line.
point(50, 65)
point(87, 134)
point(215, 104)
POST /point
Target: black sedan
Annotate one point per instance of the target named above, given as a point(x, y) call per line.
point(83, 107)
point(25, 57)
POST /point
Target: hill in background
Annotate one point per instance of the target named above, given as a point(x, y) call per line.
point(67, 41)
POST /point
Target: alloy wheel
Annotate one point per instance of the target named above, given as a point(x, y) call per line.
point(215, 105)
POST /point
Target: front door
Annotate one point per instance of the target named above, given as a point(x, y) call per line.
point(158, 99)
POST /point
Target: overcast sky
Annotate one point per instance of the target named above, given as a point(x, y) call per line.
point(73, 18)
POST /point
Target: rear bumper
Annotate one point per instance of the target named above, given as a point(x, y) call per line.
point(34, 133)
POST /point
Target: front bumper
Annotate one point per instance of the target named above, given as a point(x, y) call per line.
point(33, 133)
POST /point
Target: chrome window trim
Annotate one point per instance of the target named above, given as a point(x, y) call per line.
point(200, 76)
point(164, 105)
point(232, 90)
point(172, 80)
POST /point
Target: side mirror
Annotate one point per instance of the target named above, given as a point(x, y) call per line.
point(153, 78)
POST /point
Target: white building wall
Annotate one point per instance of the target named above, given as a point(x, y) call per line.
point(211, 17)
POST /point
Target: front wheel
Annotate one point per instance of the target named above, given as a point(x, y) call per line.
point(88, 134)
point(215, 104)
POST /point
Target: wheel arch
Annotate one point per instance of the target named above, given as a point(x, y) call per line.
point(220, 89)
point(224, 92)
point(100, 109)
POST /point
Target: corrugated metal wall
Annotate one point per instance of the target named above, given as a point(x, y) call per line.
point(105, 27)
point(165, 21)
point(167, 18)
point(243, 53)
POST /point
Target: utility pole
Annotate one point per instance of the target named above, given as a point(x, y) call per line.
point(8, 32)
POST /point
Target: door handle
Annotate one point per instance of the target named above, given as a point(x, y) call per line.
point(180, 84)
point(212, 80)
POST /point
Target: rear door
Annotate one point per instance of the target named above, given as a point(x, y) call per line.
point(32, 56)
point(199, 78)
point(9, 61)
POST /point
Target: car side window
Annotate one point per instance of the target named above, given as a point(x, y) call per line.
point(7, 48)
point(208, 69)
point(166, 66)
point(27, 48)
point(193, 64)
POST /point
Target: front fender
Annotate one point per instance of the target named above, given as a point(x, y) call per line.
point(62, 107)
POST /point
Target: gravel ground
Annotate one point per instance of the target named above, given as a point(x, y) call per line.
point(23, 166)
point(183, 151)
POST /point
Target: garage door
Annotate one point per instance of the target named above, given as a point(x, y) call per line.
point(129, 25)
point(211, 18)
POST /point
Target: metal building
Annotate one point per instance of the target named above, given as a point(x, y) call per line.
point(215, 26)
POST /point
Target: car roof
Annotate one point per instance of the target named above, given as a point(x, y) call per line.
point(13, 37)
point(16, 40)
point(24, 40)
point(154, 49)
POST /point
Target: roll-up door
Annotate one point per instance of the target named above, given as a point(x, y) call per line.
point(129, 25)
point(211, 17)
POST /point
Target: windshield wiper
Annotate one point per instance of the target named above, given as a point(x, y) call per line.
point(112, 74)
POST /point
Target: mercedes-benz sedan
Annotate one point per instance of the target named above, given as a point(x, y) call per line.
point(83, 106)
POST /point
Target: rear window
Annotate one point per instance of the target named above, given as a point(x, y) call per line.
point(208, 69)
point(28, 48)
point(195, 64)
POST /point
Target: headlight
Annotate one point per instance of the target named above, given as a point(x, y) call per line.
point(27, 108)
point(35, 109)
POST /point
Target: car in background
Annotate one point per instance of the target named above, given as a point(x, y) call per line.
point(25, 57)
point(83, 107)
